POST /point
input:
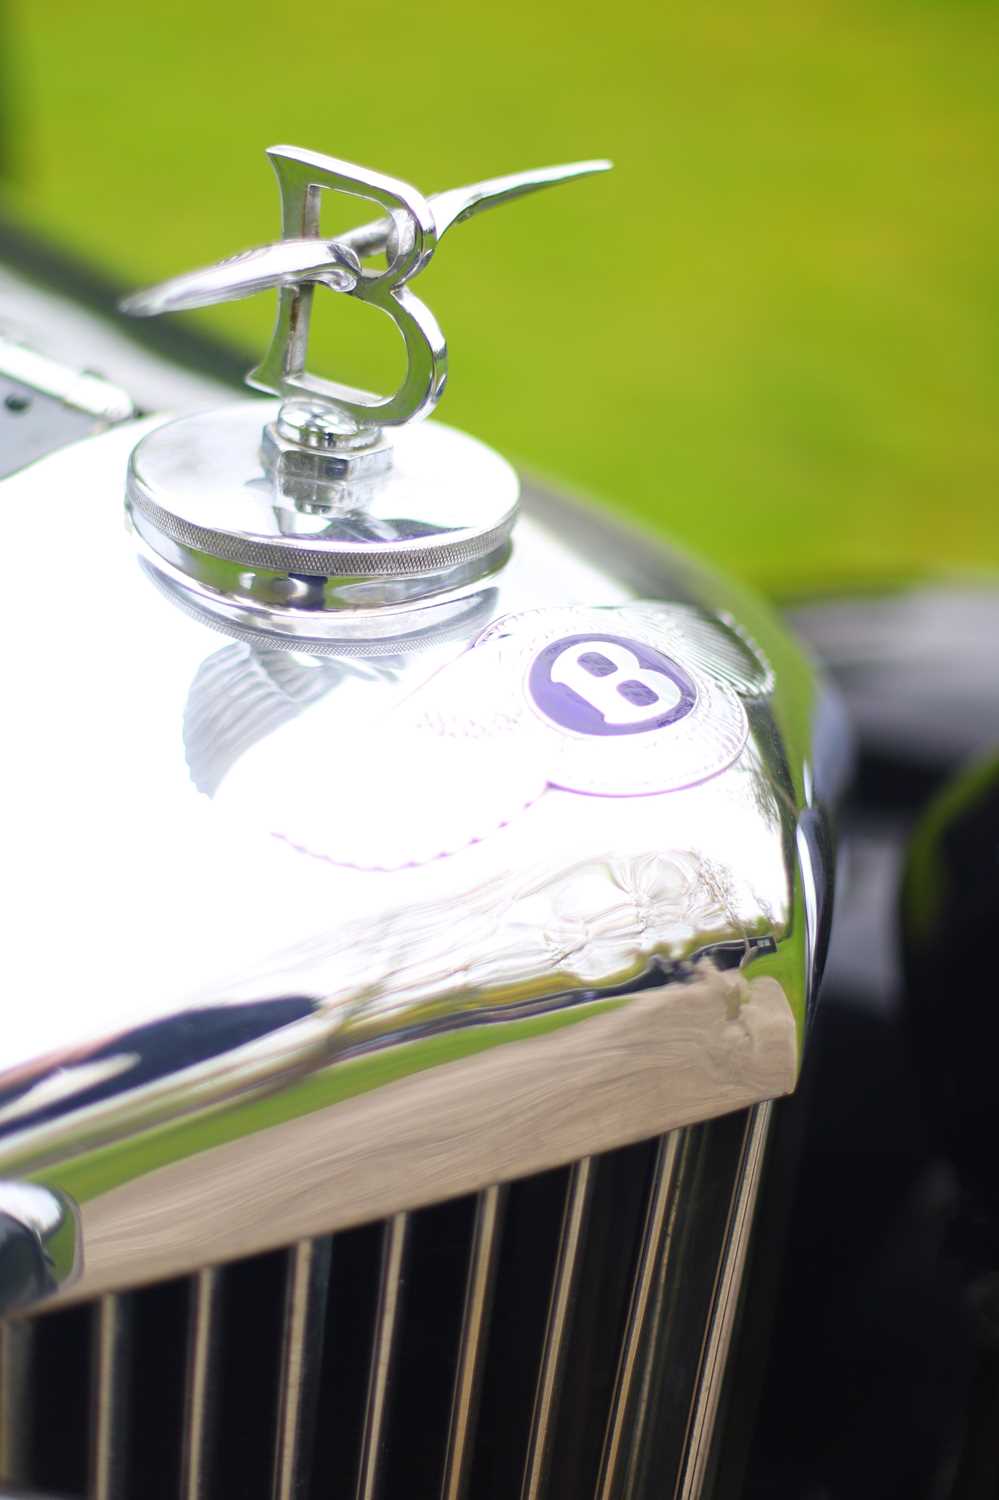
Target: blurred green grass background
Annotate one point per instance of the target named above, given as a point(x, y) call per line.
point(771, 331)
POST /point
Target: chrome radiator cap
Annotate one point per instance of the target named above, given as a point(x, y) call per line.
point(371, 852)
point(334, 498)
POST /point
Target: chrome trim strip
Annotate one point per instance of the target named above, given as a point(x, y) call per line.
point(577, 1203)
point(704, 1408)
point(109, 1414)
point(396, 1235)
point(16, 1338)
point(618, 1464)
point(666, 1057)
point(201, 1383)
point(304, 1334)
point(91, 394)
point(488, 1230)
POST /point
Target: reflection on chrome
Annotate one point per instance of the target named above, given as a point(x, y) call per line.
point(39, 1244)
point(361, 940)
point(239, 695)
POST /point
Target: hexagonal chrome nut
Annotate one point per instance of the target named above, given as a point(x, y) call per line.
point(304, 473)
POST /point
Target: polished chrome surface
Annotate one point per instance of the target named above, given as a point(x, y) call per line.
point(390, 1293)
point(290, 260)
point(472, 1347)
point(79, 338)
point(293, 903)
point(45, 403)
point(88, 393)
point(400, 1324)
point(301, 1354)
point(200, 1385)
point(198, 495)
point(15, 1355)
point(45, 1227)
point(305, 506)
point(112, 1394)
point(577, 1203)
point(325, 921)
point(630, 1407)
point(312, 464)
point(718, 1335)
point(407, 234)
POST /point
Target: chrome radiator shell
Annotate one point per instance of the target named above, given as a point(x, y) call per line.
point(224, 1046)
point(574, 974)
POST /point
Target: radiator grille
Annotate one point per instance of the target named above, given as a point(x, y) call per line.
point(552, 1339)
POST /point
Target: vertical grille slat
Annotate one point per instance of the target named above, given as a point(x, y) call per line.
point(724, 1303)
point(203, 1338)
point(390, 1293)
point(16, 1339)
point(533, 1230)
point(471, 1349)
point(110, 1392)
point(301, 1359)
point(617, 1473)
point(556, 1330)
point(671, 1360)
point(623, 1182)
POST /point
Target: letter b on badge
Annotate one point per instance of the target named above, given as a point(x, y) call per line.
point(612, 680)
point(609, 685)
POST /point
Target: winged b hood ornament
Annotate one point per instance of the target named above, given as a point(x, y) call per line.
point(407, 235)
point(314, 488)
